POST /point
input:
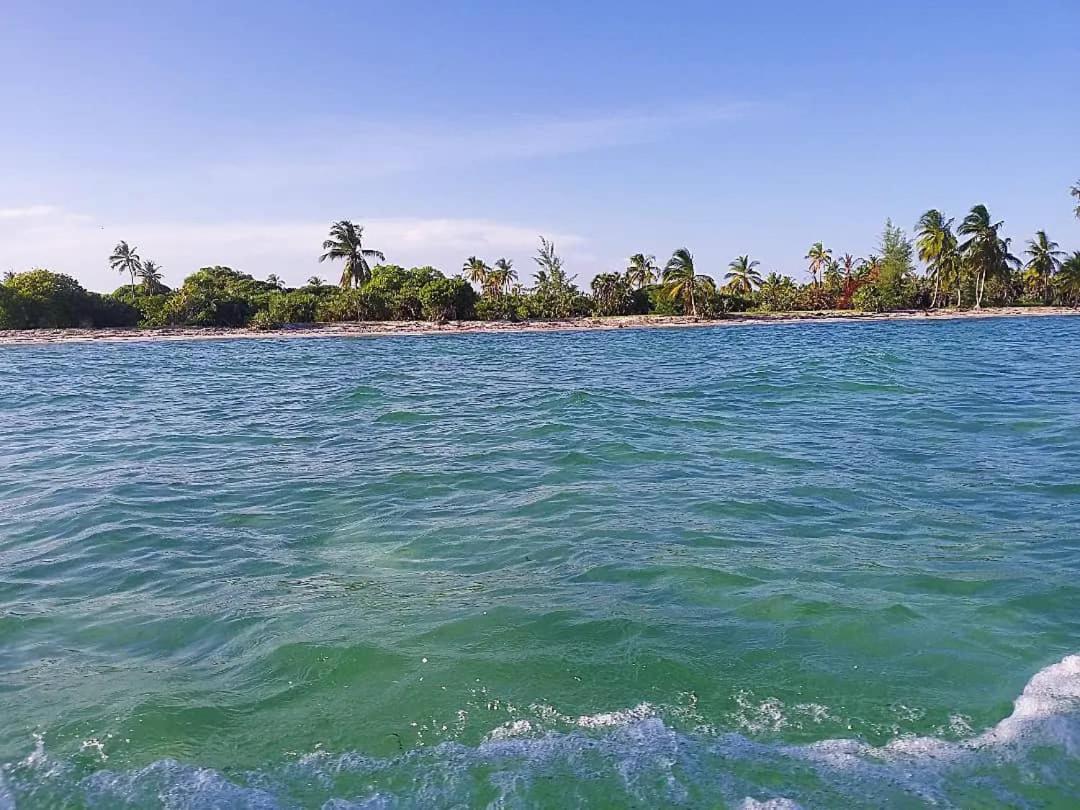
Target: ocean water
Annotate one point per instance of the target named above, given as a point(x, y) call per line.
point(811, 565)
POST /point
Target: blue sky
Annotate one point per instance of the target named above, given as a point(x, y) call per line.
point(235, 136)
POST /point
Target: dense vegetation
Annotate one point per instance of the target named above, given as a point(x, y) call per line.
point(965, 264)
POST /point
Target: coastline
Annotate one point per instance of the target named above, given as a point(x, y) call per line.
point(37, 337)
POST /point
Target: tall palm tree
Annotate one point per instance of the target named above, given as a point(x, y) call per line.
point(347, 242)
point(819, 257)
point(742, 276)
point(641, 271)
point(1075, 191)
point(1045, 261)
point(502, 277)
point(476, 270)
point(984, 251)
point(150, 274)
point(681, 280)
point(935, 244)
point(125, 259)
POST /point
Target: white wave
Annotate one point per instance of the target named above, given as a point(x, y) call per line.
point(629, 757)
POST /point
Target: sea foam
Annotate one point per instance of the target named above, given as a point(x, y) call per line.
point(630, 757)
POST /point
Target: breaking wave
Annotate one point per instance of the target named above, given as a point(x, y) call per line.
point(623, 758)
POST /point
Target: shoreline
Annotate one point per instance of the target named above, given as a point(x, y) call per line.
point(354, 329)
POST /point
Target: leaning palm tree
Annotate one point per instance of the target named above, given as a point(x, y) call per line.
point(150, 274)
point(346, 242)
point(682, 282)
point(984, 252)
point(641, 270)
point(935, 244)
point(125, 259)
point(476, 270)
point(742, 276)
point(819, 257)
point(1045, 261)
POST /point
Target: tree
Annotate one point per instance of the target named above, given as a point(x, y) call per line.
point(984, 252)
point(682, 282)
point(315, 282)
point(346, 242)
point(742, 276)
point(611, 293)
point(936, 246)
point(151, 276)
point(476, 270)
point(502, 277)
point(125, 259)
point(1075, 191)
point(1069, 279)
point(549, 262)
point(777, 293)
point(641, 270)
point(1045, 261)
point(274, 281)
point(819, 257)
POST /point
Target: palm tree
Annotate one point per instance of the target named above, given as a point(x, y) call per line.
point(1069, 278)
point(681, 280)
point(501, 279)
point(476, 271)
point(125, 259)
point(274, 281)
point(935, 244)
point(742, 276)
point(1075, 191)
point(985, 252)
point(151, 276)
point(315, 282)
point(848, 263)
point(641, 270)
point(819, 257)
point(610, 291)
point(1045, 261)
point(346, 242)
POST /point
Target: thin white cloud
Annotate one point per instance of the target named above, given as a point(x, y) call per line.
point(346, 148)
point(76, 245)
point(28, 211)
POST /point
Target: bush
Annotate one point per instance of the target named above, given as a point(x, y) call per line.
point(218, 296)
point(40, 299)
point(510, 307)
point(262, 321)
point(448, 299)
point(292, 307)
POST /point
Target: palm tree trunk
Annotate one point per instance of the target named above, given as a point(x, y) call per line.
point(937, 284)
point(693, 305)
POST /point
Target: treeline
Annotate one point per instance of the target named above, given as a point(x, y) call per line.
point(966, 264)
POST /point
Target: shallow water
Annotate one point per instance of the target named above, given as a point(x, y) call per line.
point(804, 565)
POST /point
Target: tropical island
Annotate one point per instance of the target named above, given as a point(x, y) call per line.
point(966, 267)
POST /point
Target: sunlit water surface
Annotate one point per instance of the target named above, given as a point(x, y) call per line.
point(794, 566)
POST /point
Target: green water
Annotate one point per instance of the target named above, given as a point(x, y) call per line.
point(813, 565)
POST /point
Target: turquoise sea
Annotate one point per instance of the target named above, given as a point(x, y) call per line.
point(812, 565)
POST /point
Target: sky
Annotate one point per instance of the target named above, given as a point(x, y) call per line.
point(234, 133)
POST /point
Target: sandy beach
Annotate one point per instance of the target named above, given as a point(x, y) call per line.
point(30, 337)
